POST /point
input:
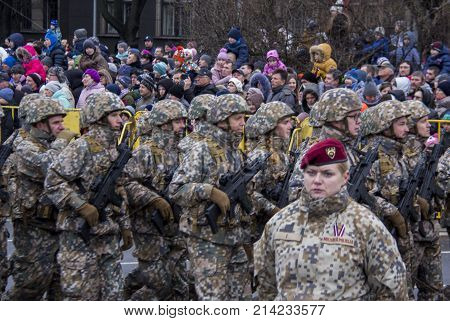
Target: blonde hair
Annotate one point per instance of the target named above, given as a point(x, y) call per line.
point(343, 167)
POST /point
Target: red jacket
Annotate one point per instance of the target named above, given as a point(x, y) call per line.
point(34, 65)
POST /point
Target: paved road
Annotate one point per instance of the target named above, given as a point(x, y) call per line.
point(129, 262)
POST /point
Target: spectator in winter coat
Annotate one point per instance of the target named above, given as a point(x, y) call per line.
point(281, 91)
point(9, 121)
point(417, 81)
point(273, 63)
point(379, 48)
point(56, 74)
point(34, 81)
point(74, 78)
point(310, 97)
point(124, 83)
point(439, 56)
point(30, 61)
point(399, 31)
point(203, 84)
point(237, 45)
point(254, 98)
point(370, 95)
point(321, 58)
point(91, 82)
point(424, 96)
point(405, 69)
point(261, 82)
point(91, 57)
point(403, 84)
point(54, 50)
point(408, 52)
point(79, 36)
point(18, 77)
point(15, 41)
point(122, 52)
point(53, 90)
point(216, 71)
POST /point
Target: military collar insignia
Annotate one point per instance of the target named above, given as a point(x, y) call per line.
point(331, 152)
point(339, 229)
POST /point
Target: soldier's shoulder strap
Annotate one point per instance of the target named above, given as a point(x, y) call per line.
point(196, 136)
point(386, 165)
point(157, 152)
point(94, 146)
point(217, 152)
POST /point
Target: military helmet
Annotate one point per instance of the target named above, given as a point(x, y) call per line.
point(200, 106)
point(25, 104)
point(314, 116)
point(99, 105)
point(165, 111)
point(266, 118)
point(43, 108)
point(143, 124)
point(417, 109)
point(369, 120)
point(225, 106)
point(335, 104)
point(385, 113)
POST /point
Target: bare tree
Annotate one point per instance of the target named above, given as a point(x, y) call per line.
point(128, 30)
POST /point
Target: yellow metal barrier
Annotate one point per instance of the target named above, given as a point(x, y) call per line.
point(439, 122)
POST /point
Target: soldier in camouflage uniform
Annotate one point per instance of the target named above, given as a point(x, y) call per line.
point(270, 126)
point(197, 115)
point(339, 111)
point(4, 266)
point(325, 246)
point(90, 270)
point(388, 172)
point(219, 262)
point(162, 270)
point(427, 261)
point(34, 266)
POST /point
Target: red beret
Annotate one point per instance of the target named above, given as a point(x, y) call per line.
point(328, 151)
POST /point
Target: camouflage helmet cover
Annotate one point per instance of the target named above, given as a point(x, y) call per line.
point(369, 120)
point(99, 105)
point(266, 118)
point(225, 106)
point(200, 106)
point(43, 108)
point(165, 111)
point(385, 113)
point(143, 124)
point(25, 104)
point(417, 109)
point(314, 116)
point(335, 104)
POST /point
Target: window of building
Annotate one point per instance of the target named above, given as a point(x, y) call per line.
point(175, 18)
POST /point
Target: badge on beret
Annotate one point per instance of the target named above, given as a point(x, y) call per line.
point(331, 152)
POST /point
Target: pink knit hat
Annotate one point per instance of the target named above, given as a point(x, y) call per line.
point(222, 54)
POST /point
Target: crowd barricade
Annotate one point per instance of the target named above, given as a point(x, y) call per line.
point(439, 122)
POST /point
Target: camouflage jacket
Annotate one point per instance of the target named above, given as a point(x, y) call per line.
point(34, 155)
point(270, 180)
point(443, 181)
point(9, 175)
point(412, 150)
point(193, 181)
point(73, 174)
point(296, 181)
point(147, 174)
point(328, 249)
point(385, 177)
point(201, 131)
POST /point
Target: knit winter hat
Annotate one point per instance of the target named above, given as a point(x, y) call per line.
point(81, 34)
point(255, 96)
point(222, 54)
point(237, 83)
point(114, 88)
point(53, 86)
point(445, 87)
point(122, 45)
point(7, 94)
point(36, 78)
point(88, 44)
point(370, 89)
point(177, 91)
point(94, 74)
point(125, 81)
point(381, 60)
point(352, 75)
point(50, 35)
point(160, 68)
point(207, 59)
point(235, 33)
point(379, 30)
point(437, 45)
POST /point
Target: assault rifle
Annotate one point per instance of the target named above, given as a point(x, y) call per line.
point(408, 190)
point(104, 189)
point(234, 186)
point(283, 199)
point(358, 174)
point(5, 151)
point(156, 217)
point(428, 189)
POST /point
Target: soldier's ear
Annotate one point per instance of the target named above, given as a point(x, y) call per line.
point(346, 176)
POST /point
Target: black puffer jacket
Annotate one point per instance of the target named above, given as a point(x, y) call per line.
point(58, 57)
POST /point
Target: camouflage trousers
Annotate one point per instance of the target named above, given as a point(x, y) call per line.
point(4, 267)
point(33, 264)
point(220, 271)
point(427, 268)
point(90, 271)
point(162, 273)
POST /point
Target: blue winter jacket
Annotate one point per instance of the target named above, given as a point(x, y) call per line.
point(409, 53)
point(240, 49)
point(380, 48)
point(442, 60)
